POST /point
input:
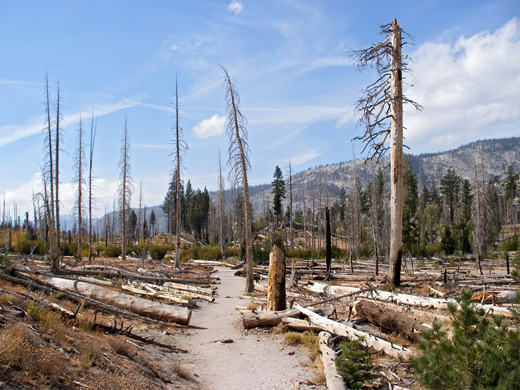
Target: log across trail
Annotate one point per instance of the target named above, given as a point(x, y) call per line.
point(225, 356)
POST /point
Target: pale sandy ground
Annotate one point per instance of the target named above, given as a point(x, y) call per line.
point(255, 360)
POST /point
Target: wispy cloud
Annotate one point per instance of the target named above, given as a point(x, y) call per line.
point(467, 88)
point(12, 133)
point(287, 137)
point(210, 127)
point(151, 146)
point(235, 7)
point(19, 83)
point(294, 114)
point(304, 157)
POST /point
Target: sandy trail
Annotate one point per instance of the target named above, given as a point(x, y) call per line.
point(250, 361)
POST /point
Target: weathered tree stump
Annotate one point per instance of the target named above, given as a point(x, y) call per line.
point(276, 298)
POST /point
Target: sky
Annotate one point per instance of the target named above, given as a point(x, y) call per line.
point(292, 64)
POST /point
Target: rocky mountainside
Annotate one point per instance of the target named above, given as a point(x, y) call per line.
point(496, 155)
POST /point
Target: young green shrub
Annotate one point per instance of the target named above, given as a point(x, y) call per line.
point(515, 273)
point(354, 364)
point(157, 252)
point(481, 354)
point(112, 251)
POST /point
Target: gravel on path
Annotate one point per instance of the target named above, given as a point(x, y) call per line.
point(224, 356)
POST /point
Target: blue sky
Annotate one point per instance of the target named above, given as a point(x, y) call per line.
point(291, 63)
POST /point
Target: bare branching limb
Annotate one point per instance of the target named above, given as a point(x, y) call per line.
point(381, 111)
point(125, 188)
point(240, 165)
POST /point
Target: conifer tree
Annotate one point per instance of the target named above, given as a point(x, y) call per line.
point(278, 190)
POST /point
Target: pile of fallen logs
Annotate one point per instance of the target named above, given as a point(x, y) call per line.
point(388, 322)
point(150, 297)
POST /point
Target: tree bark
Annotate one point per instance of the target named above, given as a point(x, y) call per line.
point(396, 158)
point(389, 319)
point(328, 357)
point(144, 307)
point(276, 297)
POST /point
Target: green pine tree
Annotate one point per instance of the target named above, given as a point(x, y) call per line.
point(481, 353)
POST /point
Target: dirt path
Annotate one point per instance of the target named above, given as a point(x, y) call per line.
point(253, 360)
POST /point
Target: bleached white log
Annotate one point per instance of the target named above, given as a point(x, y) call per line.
point(141, 306)
point(328, 357)
point(346, 331)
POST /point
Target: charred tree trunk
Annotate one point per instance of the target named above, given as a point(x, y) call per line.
point(328, 252)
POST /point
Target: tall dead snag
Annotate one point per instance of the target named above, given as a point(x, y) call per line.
point(328, 251)
point(80, 183)
point(276, 297)
point(221, 205)
point(90, 178)
point(48, 177)
point(239, 163)
point(125, 189)
point(180, 147)
point(381, 103)
point(57, 170)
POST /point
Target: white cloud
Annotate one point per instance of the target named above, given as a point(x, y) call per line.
point(210, 127)
point(295, 114)
point(287, 137)
point(235, 7)
point(467, 88)
point(304, 157)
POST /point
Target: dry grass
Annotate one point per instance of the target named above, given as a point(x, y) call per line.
point(252, 306)
point(292, 338)
point(6, 298)
point(121, 347)
point(182, 372)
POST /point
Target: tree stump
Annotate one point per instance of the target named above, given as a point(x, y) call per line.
point(276, 299)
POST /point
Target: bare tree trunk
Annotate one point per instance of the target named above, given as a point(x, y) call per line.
point(79, 183)
point(50, 210)
point(239, 158)
point(125, 189)
point(221, 206)
point(328, 252)
point(396, 158)
point(90, 172)
point(276, 297)
point(57, 172)
point(178, 183)
point(291, 231)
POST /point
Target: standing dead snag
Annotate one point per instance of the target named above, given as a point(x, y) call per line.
point(382, 102)
point(239, 162)
point(125, 188)
point(276, 297)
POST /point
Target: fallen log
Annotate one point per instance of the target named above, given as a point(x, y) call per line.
point(390, 320)
point(187, 287)
point(495, 297)
point(299, 325)
point(328, 357)
point(252, 319)
point(78, 298)
point(404, 299)
point(346, 331)
point(155, 294)
point(144, 307)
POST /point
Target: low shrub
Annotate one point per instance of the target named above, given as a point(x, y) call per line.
point(112, 251)
point(26, 246)
point(354, 364)
point(157, 252)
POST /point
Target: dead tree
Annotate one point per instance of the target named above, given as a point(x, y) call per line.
point(221, 204)
point(291, 230)
point(180, 148)
point(125, 188)
point(381, 104)
point(57, 169)
point(90, 179)
point(240, 165)
point(48, 177)
point(79, 179)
